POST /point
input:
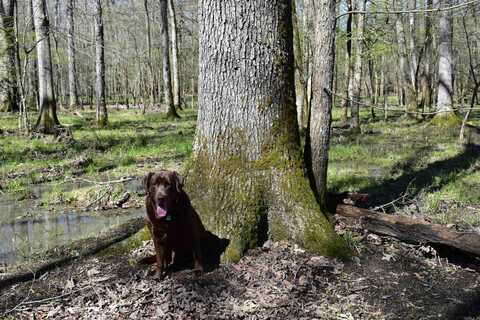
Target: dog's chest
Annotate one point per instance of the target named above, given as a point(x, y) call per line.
point(179, 236)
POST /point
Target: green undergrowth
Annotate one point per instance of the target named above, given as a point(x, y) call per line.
point(420, 162)
point(130, 145)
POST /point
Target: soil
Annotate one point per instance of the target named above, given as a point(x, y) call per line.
point(386, 279)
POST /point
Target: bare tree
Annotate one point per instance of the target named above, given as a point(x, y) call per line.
point(318, 137)
point(165, 41)
point(72, 70)
point(356, 86)
point(445, 64)
point(47, 118)
point(8, 79)
point(102, 116)
point(247, 145)
point(176, 89)
point(149, 48)
point(348, 62)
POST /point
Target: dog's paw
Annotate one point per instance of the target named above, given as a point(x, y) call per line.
point(159, 275)
point(198, 272)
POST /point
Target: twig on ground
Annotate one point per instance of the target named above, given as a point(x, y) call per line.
point(25, 303)
point(102, 182)
point(393, 202)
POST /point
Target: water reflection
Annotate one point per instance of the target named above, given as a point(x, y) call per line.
point(20, 239)
point(26, 229)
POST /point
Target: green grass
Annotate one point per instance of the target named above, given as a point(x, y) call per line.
point(389, 159)
point(401, 156)
point(131, 145)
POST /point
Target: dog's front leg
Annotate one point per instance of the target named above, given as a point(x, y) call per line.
point(159, 252)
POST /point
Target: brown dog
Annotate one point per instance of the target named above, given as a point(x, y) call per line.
point(173, 223)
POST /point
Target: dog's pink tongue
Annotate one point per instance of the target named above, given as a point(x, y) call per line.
point(161, 212)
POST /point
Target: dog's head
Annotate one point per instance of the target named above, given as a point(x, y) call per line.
point(163, 188)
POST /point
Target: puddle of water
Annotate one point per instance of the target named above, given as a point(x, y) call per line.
point(20, 239)
point(26, 229)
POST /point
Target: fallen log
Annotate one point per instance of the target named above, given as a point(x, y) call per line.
point(78, 249)
point(412, 230)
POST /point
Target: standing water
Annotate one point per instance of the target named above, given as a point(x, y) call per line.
point(26, 229)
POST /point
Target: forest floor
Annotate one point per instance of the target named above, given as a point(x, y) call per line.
point(406, 167)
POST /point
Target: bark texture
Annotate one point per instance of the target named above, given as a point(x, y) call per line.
point(47, 118)
point(177, 102)
point(445, 64)
point(72, 70)
point(247, 177)
point(356, 86)
point(318, 138)
point(165, 42)
point(102, 116)
point(8, 78)
point(348, 63)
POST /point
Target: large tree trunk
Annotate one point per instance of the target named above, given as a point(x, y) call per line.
point(8, 79)
point(72, 72)
point(165, 43)
point(318, 137)
point(356, 86)
point(247, 179)
point(47, 118)
point(102, 116)
point(177, 102)
point(445, 65)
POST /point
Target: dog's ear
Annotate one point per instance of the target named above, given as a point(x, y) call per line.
point(146, 181)
point(177, 180)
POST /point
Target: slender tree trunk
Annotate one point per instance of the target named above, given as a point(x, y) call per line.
point(176, 89)
point(8, 79)
point(357, 74)
point(47, 118)
point(247, 144)
point(445, 64)
point(403, 63)
point(412, 23)
point(384, 88)
point(165, 43)
point(299, 70)
point(34, 98)
point(72, 72)
point(348, 63)
point(102, 116)
point(149, 48)
point(318, 137)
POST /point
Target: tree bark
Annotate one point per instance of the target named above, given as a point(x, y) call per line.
point(247, 179)
point(102, 116)
point(176, 89)
point(165, 43)
point(356, 87)
point(318, 137)
point(348, 63)
point(8, 79)
point(34, 99)
point(149, 48)
point(445, 64)
point(299, 68)
point(72, 70)
point(47, 118)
